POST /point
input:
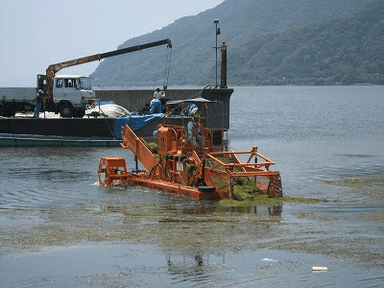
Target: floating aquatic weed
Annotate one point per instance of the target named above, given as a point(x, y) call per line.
point(246, 193)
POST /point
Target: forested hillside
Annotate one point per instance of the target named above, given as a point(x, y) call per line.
point(270, 42)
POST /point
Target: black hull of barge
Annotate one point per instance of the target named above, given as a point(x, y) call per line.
point(69, 127)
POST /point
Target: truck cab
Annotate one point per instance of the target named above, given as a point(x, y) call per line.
point(72, 94)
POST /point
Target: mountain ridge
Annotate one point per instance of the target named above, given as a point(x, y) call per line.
point(270, 42)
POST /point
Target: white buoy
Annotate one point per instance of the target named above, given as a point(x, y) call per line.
point(319, 269)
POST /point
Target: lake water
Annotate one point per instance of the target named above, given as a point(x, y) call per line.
point(60, 229)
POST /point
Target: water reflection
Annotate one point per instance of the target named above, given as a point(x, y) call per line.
point(275, 209)
point(261, 210)
point(204, 208)
point(199, 267)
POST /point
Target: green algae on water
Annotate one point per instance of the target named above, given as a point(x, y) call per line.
point(264, 199)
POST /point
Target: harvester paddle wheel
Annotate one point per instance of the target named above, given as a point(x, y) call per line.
point(274, 188)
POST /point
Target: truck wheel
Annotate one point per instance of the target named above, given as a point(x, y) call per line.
point(80, 112)
point(66, 111)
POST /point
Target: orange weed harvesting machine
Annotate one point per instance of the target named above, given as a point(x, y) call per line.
point(203, 172)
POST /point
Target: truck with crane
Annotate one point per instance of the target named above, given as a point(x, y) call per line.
point(68, 95)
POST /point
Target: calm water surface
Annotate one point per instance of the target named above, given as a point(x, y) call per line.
point(59, 228)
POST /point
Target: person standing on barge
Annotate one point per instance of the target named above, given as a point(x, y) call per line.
point(155, 104)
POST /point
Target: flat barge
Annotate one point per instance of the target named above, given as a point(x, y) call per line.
point(107, 131)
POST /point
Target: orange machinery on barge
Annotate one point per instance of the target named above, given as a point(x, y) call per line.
point(179, 167)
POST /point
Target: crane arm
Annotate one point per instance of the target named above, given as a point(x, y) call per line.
point(54, 68)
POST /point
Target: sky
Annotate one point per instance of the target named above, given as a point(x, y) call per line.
point(35, 34)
